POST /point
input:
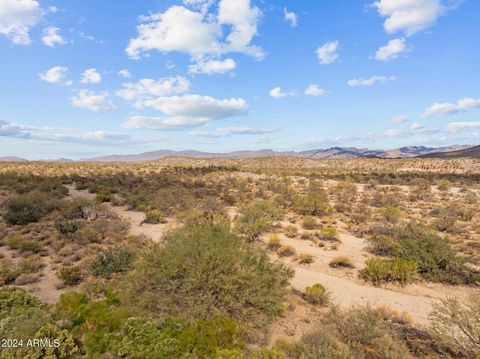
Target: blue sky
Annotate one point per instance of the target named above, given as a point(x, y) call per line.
point(85, 78)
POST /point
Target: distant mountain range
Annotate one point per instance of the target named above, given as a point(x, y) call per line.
point(330, 153)
point(467, 152)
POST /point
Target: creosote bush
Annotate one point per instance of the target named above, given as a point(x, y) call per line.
point(205, 271)
point(70, 275)
point(112, 260)
point(378, 270)
point(316, 294)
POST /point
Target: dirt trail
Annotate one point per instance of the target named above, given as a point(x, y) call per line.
point(347, 289)
point(134, 218)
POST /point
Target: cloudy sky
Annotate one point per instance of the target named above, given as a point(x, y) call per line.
point(83, 78)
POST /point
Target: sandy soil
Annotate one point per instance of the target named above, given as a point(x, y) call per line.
point(134, 218)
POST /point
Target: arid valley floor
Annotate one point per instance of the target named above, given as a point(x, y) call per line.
point(249, 258)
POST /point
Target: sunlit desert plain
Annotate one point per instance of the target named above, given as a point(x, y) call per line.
point(249, 258)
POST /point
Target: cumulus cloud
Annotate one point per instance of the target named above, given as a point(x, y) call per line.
point(328, 53)
point(416, 126)
point(458, 126)
point(236, 130)
point(314, 90)
point(277, 93)
point(290, 17)
point(51, 36)
point(392, 50)
point(55, 75)
point(212, 67)
point(447, 108)
point(199, 33)
point(93, 101)
point(145, 89)
point(187, 111)
point(124, 73)
point(17, 17)
point(399, 119)
point(91, 76)
point(409, 16)
point(392, 133)
point(370, 81)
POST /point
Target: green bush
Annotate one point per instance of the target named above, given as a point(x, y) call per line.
point(311, 204)
point(316, 294)
point(384, 245)
point(67, 227)
point(434, 255)
point(16, 300)
point(257, 218)
point(113, 260)
point(103, 197)
point(320, 344)
point(379, 270)
point(206, 337)
point(154, 216)
point(28, 208)
point(273, 242)
point(329, 234)
point(70, 275)
point(205, 271)
point(145, 338)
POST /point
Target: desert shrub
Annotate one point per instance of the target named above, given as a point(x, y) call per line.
point(390, 214)
point(30, 246)
point(316, 294)
point(66, 349)
point(305, 258)
point(311, 204)
point(30, 264)
point(16, 300)
point(205, 271)
point(291, 231)
point(145, 338)
point(320, 344)
point(341, 262)
point(8, 275)
point(456, 325)
point(70, 275)
point(309, 223)
point(434, 255)
point(286, 250)
point(329, 234)
point(103, 197)
point(67, 227)
point(384, 245)
point(257, 218)
point(113, 260)
point(154, 216)
point(273, 242)
point(208, 336)
point(444, 185)
point(379, 270)
point(28, 208)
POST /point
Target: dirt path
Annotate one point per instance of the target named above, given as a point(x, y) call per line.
point(134, 218)
point(347, 289)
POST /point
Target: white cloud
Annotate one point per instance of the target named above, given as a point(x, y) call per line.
point(237, 130)
point(416, 126)
point(187, 111)
point(446, 108)
point(458, 126)
point(392, 133)
point(17, 17)
point(409, 16)
point(399, 119)
point(93, 101)
point(328, 53)
point(277, 92)
point(370, 81)
point(199, 33)
point(55, 75)
point(314, 90)
point(145, 89)
point(291, 17)
point(124, 73)
point(212, 66)
point(392, 50)
point(91, 76)
point(51, 37)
